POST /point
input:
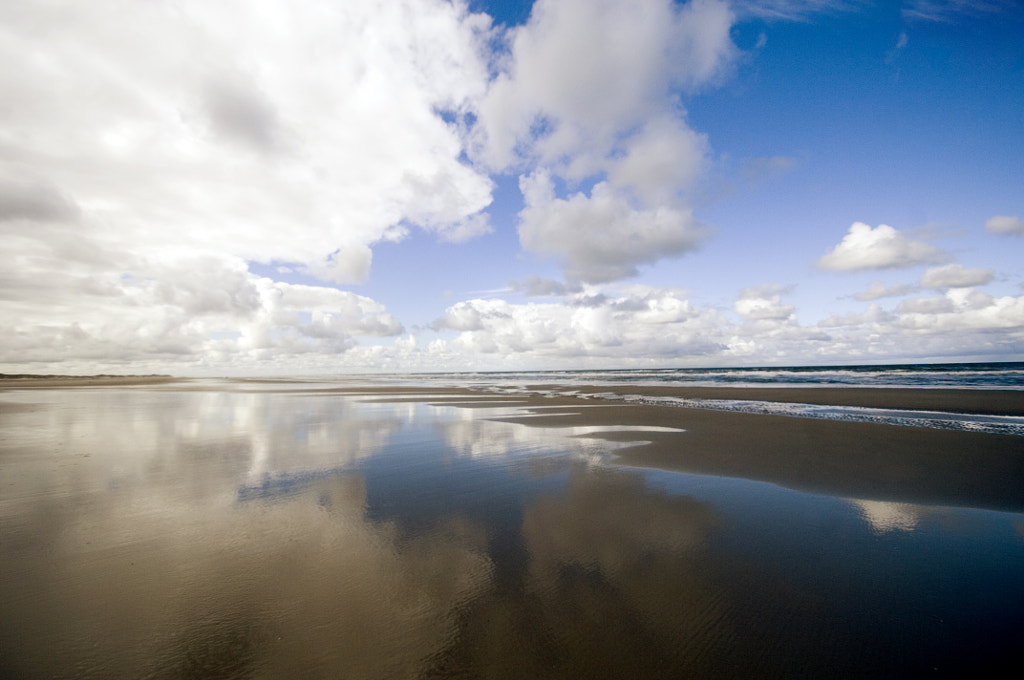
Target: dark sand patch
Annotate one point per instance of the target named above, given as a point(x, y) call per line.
point(847, 459)
point(859, 460)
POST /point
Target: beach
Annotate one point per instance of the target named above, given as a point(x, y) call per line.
point(363, 528)
point(865, 460)
point(825, 456)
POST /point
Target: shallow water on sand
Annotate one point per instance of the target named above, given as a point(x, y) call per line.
point(222, 533)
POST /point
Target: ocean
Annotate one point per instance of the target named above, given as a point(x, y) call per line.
point(997, 375)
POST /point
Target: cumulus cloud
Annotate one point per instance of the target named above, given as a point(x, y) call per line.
point(962, 322)
point(763, 302)
point(563, 113)
point(1004, 224)
point(34, 201)
point(237, 110)
point(880, 248)
point(156, 148)
point(956, 276)
point(877, 290)
point(538, 286)
point(302, 134)
point(930, 305)
point(185, 312)
point(207, 135)
point(874, 315)
point(656, 324)
point(553, 100)
point(602, 237)
point(645, 326)
point(660, 161)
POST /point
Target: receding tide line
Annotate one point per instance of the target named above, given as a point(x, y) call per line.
point(940, 420)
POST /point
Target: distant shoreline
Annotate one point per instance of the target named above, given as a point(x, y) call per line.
point(30, 380)
point(987, 401)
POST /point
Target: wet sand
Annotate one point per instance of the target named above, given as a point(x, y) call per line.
point(862, 460)
point(283, 529)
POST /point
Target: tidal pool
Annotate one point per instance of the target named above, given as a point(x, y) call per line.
point(228, 531)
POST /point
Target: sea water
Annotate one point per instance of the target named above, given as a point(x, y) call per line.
point(972, 376)
point(995, 375)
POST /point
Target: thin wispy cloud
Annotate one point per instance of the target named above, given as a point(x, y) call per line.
point(1005, 224)
point(950, 10)
point(796, 10)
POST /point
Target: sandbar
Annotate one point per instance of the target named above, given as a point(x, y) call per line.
point(849, 459)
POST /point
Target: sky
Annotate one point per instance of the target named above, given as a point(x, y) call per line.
point(319, 187)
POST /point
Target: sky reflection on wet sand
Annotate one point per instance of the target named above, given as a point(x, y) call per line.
point(160, 533)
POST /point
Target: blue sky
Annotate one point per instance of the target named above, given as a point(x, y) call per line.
point(324, 187)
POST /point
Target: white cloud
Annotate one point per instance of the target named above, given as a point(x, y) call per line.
point(156, 148)
point(1004, 224)
point(793, 10)
point(602, 237)
point(660, 161)
point(958, 315)
point(655, 324)
point(610, 118)
point(34, 201)
point(930, 305)
point(763, 302)
point(955, 276)
point(659, 326)
point(183, 313)
point(538, 286)
point(878, 289)
point(252, 129)
point(948, 10)
point(555, 99)
point(240, 112)
point(880, 248)
point(874, 315)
